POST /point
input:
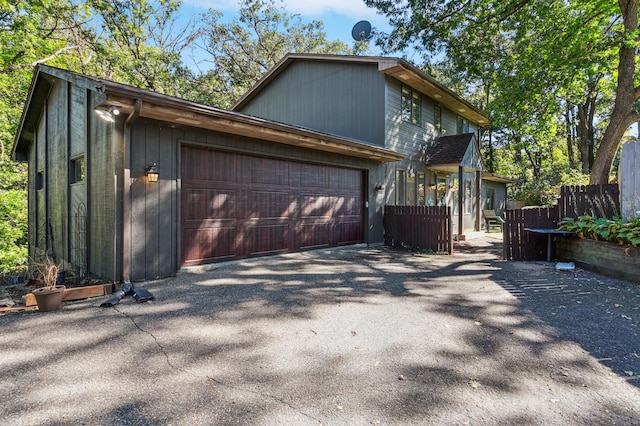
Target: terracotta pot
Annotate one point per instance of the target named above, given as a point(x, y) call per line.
point(49, 299)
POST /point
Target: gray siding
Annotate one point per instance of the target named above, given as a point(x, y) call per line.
point(335, 98)
point(53, 210)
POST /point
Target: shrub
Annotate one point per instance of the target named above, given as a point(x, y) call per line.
point(13, 230)
point(614, 230)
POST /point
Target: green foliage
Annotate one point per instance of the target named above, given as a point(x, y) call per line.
point(613, 230)
point(13, 229)
point(531, 65)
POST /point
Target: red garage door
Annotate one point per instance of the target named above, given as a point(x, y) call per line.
point(237, 205)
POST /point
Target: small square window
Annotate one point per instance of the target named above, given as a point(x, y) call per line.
point(77, 170)
point(39, 180)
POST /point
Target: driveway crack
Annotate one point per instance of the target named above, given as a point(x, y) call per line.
point(277, 399)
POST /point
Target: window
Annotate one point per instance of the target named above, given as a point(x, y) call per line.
point(77, 170)
point(467, 196)
point(462, 125)
point(441, 191)
point(411, 189)
point(456, 195)
point(421, 189)
point(40, 180)
point(400, 187)
point(437, 118)
point(411, 105)
point(490, 197)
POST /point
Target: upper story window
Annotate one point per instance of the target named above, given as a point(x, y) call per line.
point(411, 105)
point(437, 117)
point(462, 125)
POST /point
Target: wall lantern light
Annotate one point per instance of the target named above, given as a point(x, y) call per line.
point(152, 173)
point(113, 110)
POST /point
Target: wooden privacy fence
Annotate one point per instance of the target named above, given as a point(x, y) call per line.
point(575, 201)
point(593, 200)
point(519, 244)
point(419, 228)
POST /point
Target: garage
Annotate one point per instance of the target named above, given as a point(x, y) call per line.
point(236, 205)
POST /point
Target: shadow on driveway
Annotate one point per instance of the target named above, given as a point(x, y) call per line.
point(345, 336)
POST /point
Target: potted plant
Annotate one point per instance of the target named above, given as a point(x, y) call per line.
point(49, 296)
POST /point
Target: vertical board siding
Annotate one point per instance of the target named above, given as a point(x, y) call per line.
point(154, 213)
point(630, 180)
point(419, 228)
point(331, 97)
point(101, 208)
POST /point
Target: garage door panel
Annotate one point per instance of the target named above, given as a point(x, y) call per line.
point(346, 205)
point(208, 168)
point(345, 179)
point(348, 231)
point(268, 237)
point(269, 204)
point(209, 244)
point(314, 176)
point(315, 205)
point(272, 206)
point(267, 171)
point(313, 234)
point(202, 203)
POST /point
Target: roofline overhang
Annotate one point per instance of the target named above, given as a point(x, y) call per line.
point(397, 68)
point(181, 112)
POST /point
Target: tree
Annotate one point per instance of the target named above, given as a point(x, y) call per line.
point(539, 48)
point(244, 49)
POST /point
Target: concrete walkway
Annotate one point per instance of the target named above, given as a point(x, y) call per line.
point(348, 336)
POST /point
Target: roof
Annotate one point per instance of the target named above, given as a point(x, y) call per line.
point(143, 103)
point(497, 178)
point(397, 68)
point(447, 153)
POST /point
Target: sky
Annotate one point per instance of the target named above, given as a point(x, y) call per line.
point(338, 16)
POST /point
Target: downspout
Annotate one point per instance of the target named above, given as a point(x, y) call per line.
point(126, 195)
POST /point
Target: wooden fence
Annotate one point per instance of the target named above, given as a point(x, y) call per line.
point(592, 200)
point(575, 201)
point(519, 244)
point(419, 228)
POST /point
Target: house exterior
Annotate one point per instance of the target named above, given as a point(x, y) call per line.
point(389, 103)
point(128, 185)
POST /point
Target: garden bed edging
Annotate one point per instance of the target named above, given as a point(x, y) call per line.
point(610, 259)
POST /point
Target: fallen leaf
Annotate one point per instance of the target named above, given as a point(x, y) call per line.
point(353, 333)
point(401, 377)
point(474, 383)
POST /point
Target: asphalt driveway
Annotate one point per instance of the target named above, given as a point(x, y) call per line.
point(348, 336)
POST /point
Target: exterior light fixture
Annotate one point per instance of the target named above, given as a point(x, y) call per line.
point(152, 173)
point(432, 185)
point(114, 110)
point(379, 188)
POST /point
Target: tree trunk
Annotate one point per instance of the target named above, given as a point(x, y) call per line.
point(622, 116)
point(570, 138)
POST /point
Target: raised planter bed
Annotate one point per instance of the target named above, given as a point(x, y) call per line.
point(610, 259)
point(76, 293)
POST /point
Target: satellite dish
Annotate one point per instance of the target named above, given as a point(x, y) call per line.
point(361, 31)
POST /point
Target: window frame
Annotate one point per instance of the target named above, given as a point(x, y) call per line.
point(410, 105)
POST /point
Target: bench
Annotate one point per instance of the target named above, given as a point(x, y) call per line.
point(491, 219)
